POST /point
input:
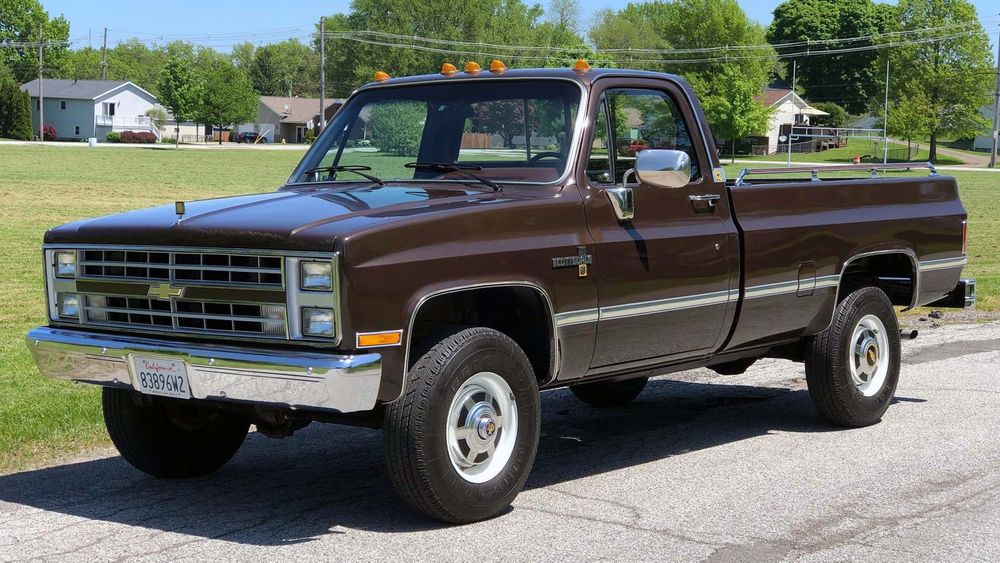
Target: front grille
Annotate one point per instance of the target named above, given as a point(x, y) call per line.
point(190, 268)
point(183, 315)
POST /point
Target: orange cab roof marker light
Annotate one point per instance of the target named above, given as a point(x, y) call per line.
point(581, 66)
point(472, 67)
point(381, 76)
point(448, 69)
point(497, 66)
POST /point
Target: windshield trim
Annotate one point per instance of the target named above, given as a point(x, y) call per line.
point(574, 149)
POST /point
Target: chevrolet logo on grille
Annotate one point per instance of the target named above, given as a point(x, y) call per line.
point(164, 291)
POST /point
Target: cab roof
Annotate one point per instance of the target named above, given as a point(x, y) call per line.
point(584, 78)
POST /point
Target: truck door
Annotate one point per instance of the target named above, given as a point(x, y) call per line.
point(668, 278)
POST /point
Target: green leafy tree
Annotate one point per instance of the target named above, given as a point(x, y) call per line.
point(838, 116)
point(288, 68)
point(911, 118)
point(20, 117)
point(227, 96)
point(850, 79)
point(180, 89)
point(953, 76)
point(737, 115)
point(20, 21)
point(158, 116)
point(396, 127)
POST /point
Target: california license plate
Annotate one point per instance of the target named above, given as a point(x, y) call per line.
point(166, 378)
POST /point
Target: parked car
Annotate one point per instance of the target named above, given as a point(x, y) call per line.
point(635, 146)
point(249, 137)
point(436, 300)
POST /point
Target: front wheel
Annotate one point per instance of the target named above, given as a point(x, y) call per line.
point(853, 367)
point(170, 437)
point(462, 438)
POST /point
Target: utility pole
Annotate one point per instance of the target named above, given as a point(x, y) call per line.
point(996, 110)
point(885, 118)
point(41, 97)
point(792, 127)
point(322, 73)
point(104, 56)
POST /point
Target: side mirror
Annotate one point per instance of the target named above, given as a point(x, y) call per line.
point(663, 168)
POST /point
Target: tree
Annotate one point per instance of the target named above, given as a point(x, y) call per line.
point(288, 68)
point(180, 90)
point(850, 79)
point(158, 116)
point(838, 116)
point(396, 127)
point(565, 14)
point(952, 75)
point(20, 21)
point(737, 115)
point(911, 118)
point(227, 96)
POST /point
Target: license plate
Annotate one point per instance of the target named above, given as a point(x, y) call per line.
point(166, 378)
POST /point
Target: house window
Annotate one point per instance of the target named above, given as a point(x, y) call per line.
point(76, 130)
point(62, 104)
point(108, 108)
point(38, 104)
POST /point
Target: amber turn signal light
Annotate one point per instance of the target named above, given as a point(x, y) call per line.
point(381, 76)
point(448, 69)
point(472, 67)
point(376, 339)
point(497, 66)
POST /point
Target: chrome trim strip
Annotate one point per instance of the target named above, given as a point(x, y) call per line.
point(666, 305)
point(943, 264)
point(291, 378)
point(154, 248)
point(788, 287)
point(581, 316)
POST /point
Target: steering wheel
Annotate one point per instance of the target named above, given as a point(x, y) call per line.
point(547, 154)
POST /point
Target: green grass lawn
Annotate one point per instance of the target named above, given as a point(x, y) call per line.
point(844, 155)
point(41, 187)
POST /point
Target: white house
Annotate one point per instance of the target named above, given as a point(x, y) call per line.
point(79, 109)
point(789, 109)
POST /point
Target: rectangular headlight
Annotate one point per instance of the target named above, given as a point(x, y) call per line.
point(318, 321)
point(316, 276)
point(68, 305)
point(65, 264)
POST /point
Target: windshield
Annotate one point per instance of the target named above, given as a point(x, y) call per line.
point(505, 131)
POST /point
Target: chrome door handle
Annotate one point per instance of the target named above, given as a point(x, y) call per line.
point(709, 202)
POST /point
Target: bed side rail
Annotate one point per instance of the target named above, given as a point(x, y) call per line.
point(814, 171)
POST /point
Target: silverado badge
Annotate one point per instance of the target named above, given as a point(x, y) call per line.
point(580, 261)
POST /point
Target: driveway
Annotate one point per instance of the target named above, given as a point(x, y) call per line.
point(702, 467)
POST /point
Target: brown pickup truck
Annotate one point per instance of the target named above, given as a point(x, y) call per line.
point(453, 244)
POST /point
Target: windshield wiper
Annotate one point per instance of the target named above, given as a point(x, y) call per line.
point(358, 169)
point(463, 169)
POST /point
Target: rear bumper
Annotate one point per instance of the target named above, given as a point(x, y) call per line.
point(962, 297)
point(287, 378)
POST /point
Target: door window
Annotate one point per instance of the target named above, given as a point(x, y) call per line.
point(599, 163)
point(640, 119)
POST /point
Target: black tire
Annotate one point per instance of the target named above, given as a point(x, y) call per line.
point(416, 427)
point(609, 393)
point(832, 387)
point(171, 438)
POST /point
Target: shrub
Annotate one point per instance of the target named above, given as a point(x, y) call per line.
point(50, 133)
point(20, 117)
point(168, 140)
point(310, 136)
point(396, 127)
point(138, 137)
point(113, 137)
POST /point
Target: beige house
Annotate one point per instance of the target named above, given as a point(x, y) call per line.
point(282, 119)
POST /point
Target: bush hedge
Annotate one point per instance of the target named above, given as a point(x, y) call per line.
point(113, 137)
point(138, 137)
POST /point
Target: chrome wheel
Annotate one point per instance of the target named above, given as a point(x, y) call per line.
point(482, 427)
point(868, 356)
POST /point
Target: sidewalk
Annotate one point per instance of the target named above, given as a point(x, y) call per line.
point(162, 146)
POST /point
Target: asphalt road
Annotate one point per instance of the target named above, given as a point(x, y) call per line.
point(706, 468)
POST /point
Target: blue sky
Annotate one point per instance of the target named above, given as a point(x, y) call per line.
point(199, 19)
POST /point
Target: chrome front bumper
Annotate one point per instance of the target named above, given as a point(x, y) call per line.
point(289, 378)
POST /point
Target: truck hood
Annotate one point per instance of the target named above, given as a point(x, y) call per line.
point(300, 219)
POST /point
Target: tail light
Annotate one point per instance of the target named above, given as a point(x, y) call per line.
point(965, 237)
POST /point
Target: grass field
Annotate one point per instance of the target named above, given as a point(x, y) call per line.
point(45, 186)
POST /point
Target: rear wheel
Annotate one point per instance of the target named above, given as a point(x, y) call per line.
point(609, 393)
point(170, 437)
point(462, 438)
point(853, 367)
